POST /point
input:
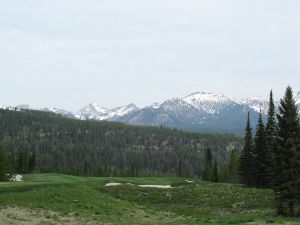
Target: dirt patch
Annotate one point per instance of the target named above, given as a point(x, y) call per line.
point(141, 216)
point(21, 216)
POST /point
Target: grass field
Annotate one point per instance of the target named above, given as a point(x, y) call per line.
point(63, 199)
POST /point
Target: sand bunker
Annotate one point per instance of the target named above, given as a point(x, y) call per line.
point(16, 178)
point(189, 181)
point(156, 186)
point(112, 184)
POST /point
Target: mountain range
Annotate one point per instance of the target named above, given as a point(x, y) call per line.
point(199, 111)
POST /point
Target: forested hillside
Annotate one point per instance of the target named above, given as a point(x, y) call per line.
point(105, 148)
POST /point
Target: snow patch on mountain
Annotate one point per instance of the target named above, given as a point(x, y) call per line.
point(210, 103)
point(175, 104)
point(94, 111)
point(155, 105)
point(124, 110)
point(257, 103)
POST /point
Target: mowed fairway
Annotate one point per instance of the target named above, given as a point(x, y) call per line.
point(63, 199)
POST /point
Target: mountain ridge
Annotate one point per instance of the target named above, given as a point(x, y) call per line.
point(202, 110)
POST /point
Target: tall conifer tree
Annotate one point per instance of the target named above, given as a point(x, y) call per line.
point(247, 157)
point(215, 173)
point(287, 170)
point(261, 154)
point(31, 166)
point(233, 167)
point(5, 170)
point(208, 168)
point(271, 139)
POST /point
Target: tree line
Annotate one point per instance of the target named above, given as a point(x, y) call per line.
point(102, 148)
point(271, 159)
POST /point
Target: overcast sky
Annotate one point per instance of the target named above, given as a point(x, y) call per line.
point(68, 53)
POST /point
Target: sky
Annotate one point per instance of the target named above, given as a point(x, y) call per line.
point(68, 53)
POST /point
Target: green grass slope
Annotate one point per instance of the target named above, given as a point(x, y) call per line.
point(88, 201)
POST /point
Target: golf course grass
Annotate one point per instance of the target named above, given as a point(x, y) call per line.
point(64, 199)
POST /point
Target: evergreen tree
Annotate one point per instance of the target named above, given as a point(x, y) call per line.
point(247, 157)
point(223, 175)
point(86, 169)
point(11, 164)
point(31, 163)
point(207, 173)
point(215, 173)
point(179, 170)
point(23, 162)
point(287, 170)
point(233, 167)
point(5, 173)
point(271, 140)
point(261, 154)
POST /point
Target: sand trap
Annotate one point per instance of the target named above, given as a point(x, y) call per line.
point(189, 181)
point(19, 178)
point(112, 184)
point(16, 178)
point(156, 186)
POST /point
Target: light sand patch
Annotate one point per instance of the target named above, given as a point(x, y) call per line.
point(16, 178)
point(112, 184)
point(156, 186)
point(189, 181)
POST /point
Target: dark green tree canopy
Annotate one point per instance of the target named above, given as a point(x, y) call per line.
point(46, 142)
point(287, 169)
point(247, 156)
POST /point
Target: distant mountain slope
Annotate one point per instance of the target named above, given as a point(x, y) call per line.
point(199, 111)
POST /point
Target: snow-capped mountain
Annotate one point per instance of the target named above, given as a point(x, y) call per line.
point(173, 112)
point(181, 110)
point(258, 103)
point(94, 111)
point(208, 102)
point(198, 111)
point(21, 107)
point(124, 110)
point(62, 112)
